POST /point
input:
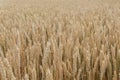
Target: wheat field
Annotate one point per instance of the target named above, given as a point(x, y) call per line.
point(60, 40)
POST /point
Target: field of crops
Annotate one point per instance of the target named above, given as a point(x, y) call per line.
point(60, 40)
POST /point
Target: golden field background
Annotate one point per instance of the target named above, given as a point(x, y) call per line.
point(59, 40)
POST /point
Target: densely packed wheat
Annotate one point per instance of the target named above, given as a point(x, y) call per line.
point(48, 44)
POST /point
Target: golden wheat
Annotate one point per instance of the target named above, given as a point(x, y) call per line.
point(60, 41)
